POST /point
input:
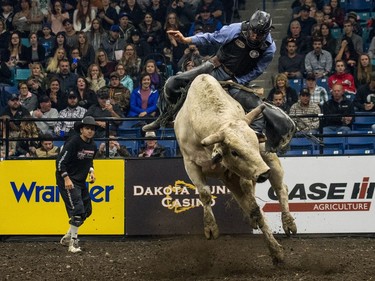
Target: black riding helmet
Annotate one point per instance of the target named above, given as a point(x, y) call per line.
point(260, 23)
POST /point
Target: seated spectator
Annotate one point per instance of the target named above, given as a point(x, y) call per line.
point(208, 22)
point(362, 74)
point(27, 148)
point(38, 73)
point(125, 79)
point(184, 11)
point(151, 32)
point(95, 78)
point(327, 17)
point(371, 49)
point(190, 59)
point(348, 54)
point(350, 36)
point(55, 94)
point(35, 88)
point(304, 106)
point(318, 62)
point(86, 50)
point(305, 20)
point(364, 100)
point(342, 77)
point(151, 147)
point(157, 80)
point(292, 64)
point(56, 16)
point(22, 17)
point(142, 48)
point(45, 111)
point(329, 43)
point(282, 85)
point(36, 50)
point(107, 14)
point(61, 42)
point(143, 99)
point(83, 16)
point(118, 94)
point(47, 149)
point(104, 108)
point(278, 100)
point(303, 42)
point(106, 66)
point(86, 96)
point(215, 7)
point(68, 80)
point(338, 105)
point(115, 149)
point(16, 55)
point(6, 17)
point(158, 11)
point(73, 110)
point(338, 13)
point(96, 35)
point(318, 94)
point(131, 61)
point(47, 40)
point(5, 73)
point(53, 63)
point(27, 99)
point(76, 65)
point(357, 28)
point(113, 45)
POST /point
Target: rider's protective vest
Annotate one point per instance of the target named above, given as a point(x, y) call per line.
point(238, 56)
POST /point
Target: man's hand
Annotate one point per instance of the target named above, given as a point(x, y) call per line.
point(68, 183)
point(179, 37)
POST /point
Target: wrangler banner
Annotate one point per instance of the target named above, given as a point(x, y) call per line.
point(160, 200)
point(30, 202)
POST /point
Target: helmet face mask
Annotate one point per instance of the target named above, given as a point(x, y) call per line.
point(260, 25)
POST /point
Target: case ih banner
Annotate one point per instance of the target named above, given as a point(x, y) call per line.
point(326, 195)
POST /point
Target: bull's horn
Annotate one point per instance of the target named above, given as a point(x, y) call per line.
point(214, 138)
point(254, 113)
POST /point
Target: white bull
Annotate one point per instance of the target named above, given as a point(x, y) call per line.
point(215, 140)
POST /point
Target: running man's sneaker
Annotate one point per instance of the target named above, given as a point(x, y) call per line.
point(65, 239)
point(73, 246)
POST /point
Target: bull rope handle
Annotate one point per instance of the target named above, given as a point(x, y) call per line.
point(259, 91)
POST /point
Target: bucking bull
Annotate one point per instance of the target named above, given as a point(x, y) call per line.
point(215, 140)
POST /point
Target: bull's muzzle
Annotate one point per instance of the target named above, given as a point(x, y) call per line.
point(263, 177)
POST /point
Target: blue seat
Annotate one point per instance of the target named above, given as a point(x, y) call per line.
point(336, 32)
point(296, 84)
point(301, 144)
point(132, 124)
point(165, 132)
point(334, 143)
point(323, 82)
point(22, 74)
point(170, 147)
point(360, 142)
point(297, 152)
point(25, 42)
point(129, 132)
point(363, 123)
point(332, 151)
point(359, 151)
point(359, 5)
point(131, 146)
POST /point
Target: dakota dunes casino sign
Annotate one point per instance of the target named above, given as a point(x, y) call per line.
point(30, 203)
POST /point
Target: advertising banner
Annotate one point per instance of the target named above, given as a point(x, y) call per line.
point(160, 199)
point(30, 202)
point(326, 194)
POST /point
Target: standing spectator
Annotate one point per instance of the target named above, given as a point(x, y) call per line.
point(343, 78)
point(348, 36)
point(318, 61)
point(282, 85)
point(56, 17)
point(70, 34)
point(7, 14)
point(36, 16)
point(338, 14)
point(96, 35)
point(86, 50)
point(73, 165)
point(131, 61)
point(106, 66)
point(151, 147)
point(151, 32)
point(113, 45)
point(341, 106)
point(27, 99)
point(292, 64)
point(83, 16)
point(104, 108)
point(108, 15)
point(362, 75)
point(304, 106)
point(47, 149)
point(95, 77)
point(21, 20)
point(45, 111)
point(126, 27)
point(125, 79)
point(365, 98)
point(329, 42)
point(303, 42)
point(318, 94)
point(47, 40)
point(134, 11)
point(73, 110)
point(143, 99)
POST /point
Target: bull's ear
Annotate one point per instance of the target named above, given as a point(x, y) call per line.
point(254, 113)
point(214, 138)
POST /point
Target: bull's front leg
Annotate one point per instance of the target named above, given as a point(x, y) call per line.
point(211, 230)
point(244, 192)
point(276, 178)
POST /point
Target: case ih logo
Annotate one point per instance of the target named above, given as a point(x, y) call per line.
point(345, 199)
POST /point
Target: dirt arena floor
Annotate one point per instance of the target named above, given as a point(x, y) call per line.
point(240, 257)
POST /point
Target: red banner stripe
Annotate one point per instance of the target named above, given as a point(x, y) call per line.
point(321, 207)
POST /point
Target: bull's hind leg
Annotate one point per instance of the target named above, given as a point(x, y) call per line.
point(276, 178)
point(244, 192)
point(211, 230)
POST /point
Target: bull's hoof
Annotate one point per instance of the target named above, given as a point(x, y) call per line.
point(277, 255)
point(211, 232)
point(289, 225)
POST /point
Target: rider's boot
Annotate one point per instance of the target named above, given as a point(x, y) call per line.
point(172, 93)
